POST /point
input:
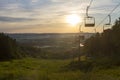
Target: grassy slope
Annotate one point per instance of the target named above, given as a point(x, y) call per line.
point(34, 69)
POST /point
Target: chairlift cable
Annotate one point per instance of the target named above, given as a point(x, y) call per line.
point(90, 3)
point(108, 15)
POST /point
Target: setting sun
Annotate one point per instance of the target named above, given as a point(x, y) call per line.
point(73, 19)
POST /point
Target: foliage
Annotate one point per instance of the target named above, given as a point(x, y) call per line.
point(105, 46)
point(39, 69)
point(8, 48)
point(29, 51)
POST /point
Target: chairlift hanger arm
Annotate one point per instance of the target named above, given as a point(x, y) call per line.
point(87, 15)
point(88, 8)
point(87, 11)
point(109, 20)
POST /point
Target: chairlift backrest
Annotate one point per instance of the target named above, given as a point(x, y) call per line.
point(108, 24)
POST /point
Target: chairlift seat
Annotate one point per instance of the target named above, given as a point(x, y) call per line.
point(107, 24)
point(89, 25)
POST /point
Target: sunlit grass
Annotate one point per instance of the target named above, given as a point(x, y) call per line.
point(36, 69)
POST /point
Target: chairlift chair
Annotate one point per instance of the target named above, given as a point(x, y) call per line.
point(89, 20)
point(107, 24)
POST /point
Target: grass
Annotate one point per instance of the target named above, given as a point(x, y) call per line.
point(36, 69)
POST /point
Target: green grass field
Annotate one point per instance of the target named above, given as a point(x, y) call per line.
point(36, 69)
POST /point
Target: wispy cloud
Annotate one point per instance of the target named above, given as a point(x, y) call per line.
point(12, 19)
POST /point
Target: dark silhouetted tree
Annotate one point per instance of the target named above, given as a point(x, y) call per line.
point(106, 44)
point(8, 48)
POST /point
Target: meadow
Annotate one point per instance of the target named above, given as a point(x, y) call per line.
point(40, 69)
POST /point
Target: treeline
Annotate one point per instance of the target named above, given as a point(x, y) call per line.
point(101, 51)
point(8, 48)
point(105, 47)
point(11, 49)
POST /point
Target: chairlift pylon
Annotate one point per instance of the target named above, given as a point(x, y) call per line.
point(89, 20)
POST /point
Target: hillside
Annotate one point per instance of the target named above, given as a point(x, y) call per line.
point(36, 69)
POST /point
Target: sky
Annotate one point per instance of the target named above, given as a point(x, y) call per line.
point(49, 16)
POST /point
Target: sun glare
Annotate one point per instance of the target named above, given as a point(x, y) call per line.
point(73, 19)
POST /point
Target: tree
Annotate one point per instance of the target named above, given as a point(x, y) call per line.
point(8, 48)
point(106, 44)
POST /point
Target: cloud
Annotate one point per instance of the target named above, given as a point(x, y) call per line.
point(50, 11)
point(34, 1)
point(12, 19)
point(60, 0)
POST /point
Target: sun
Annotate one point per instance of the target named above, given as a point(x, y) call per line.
point(73, 19)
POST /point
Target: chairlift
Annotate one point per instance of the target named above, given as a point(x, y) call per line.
point(89, 20)
point(107, 24)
